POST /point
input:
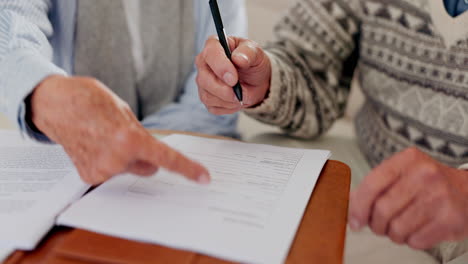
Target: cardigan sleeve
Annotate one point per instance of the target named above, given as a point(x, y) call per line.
point(313, 60)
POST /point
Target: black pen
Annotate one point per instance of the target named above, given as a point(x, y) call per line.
point(224, 42)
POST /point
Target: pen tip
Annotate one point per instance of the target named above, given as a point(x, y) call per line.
point(242, 103)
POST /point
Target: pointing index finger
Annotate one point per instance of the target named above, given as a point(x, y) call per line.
point(159, 154)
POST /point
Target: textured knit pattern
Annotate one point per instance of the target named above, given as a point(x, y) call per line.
point(416, 85)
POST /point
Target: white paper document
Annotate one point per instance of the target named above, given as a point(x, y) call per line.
point(249, 213)
point(37, 182)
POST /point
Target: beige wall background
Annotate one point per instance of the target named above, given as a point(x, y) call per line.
point(263, 14)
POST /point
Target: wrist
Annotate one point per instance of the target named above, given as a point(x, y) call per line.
point(28, 116)
point(266, 87)
point(38, 100)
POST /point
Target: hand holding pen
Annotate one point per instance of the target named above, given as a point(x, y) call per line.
point(224, 79)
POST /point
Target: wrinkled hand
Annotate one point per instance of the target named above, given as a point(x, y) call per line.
point(100, 133)
point(413, 200)
point(217, 75)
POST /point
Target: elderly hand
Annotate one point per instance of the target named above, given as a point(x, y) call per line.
point(100, 133)
point(217, 75)
point(414, 200)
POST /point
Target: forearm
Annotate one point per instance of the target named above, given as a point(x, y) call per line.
point(289, 104)
point(311, 70)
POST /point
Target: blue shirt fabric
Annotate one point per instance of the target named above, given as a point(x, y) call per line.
point(456, 7)
point(37, 40)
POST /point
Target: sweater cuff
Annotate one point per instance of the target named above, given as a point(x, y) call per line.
point(20, 72)
point(270, 105)
point(25, 123)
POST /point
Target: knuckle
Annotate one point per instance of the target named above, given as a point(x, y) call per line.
point(199, 79)
point(373, 226)
point(451, 215)
point(430, 171)
point(254, 46)
point(382, 209)
point(202, 81)
point(93, 82)
point(106, 169)
point(207, 100)
point(370, 184)
point(88, 180)
point(203, 97)
point(209, 41)
point(198, 60)
point(458, 229)
point(213, 39)
point(397, 232)
point(415, 245)
point(89, 80)
point(84, 175)
point(457, 223)
point(213, 110)
point(126, 107)
point(441, 197)
point(200, 94)
point(411, 152)
point(450, 225)
point(91, 181)
point(209, 45)
point(96, 176)
point(126, 137)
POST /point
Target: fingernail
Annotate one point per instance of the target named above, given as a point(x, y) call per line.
point(229, 78)
point(243, 56)
point(203, 179)
point(354, 224)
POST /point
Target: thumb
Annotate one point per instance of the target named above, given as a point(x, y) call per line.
point(248, 54)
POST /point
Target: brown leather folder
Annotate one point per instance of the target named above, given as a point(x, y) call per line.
point(320, 238)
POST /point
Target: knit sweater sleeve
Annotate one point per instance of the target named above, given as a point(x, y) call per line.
point(313, 60)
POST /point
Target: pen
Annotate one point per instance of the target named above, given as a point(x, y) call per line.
point(224, 42)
